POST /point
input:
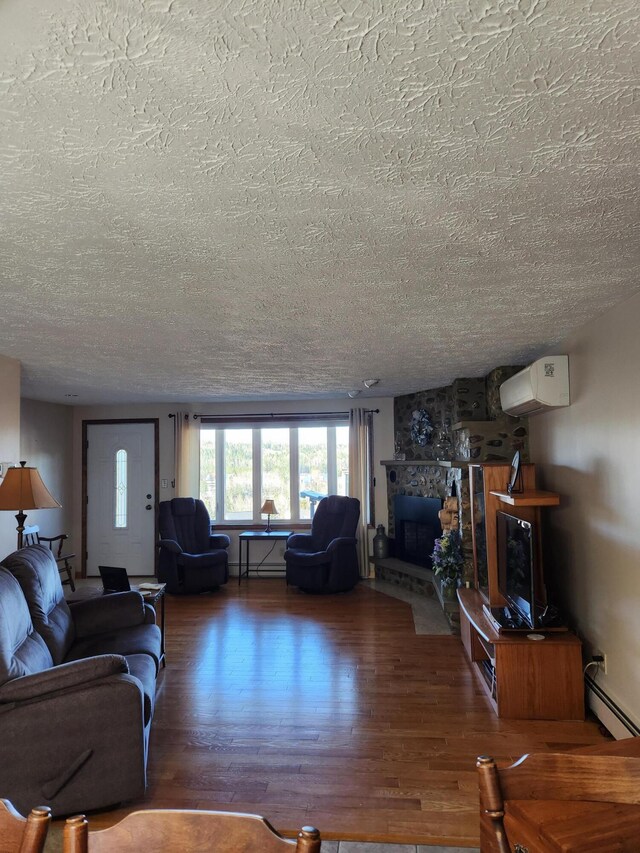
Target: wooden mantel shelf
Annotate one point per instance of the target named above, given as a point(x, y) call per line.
point(473, 424)
point(531, 497)
point(425, 463)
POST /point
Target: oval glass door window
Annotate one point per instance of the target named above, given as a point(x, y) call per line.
point(121, 489)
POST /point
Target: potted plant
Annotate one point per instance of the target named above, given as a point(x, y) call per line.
point(447, 561)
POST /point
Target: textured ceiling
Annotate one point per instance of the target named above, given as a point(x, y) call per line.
point(280, 198)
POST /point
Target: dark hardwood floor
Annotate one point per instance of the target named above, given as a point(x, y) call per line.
point(325, 710)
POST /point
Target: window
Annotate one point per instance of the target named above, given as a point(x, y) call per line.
point(275, 462)
point(342, 460)
point(313, 473)
point(295, 463)
point(238, 474)
point(120, 489)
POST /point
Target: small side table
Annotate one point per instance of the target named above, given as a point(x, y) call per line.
point(155, 597)
point(248, 536)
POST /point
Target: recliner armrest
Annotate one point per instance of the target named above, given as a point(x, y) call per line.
point(340, 541)
point(75, 674)
point(307, 558)
point(107, 613)
point(304, 541)
point(171, 545)
point(219, 540)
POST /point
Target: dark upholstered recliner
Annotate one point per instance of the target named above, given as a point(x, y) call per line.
point(326, 559)
point(191, 558)
point(75, 712)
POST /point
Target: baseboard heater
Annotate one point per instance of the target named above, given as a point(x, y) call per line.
point(609, 713)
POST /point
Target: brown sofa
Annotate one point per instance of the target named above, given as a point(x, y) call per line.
point(77, 690)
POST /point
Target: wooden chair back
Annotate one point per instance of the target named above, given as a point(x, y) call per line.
point(551, 776)
point(31, 536)
point(23, 835)
point(189, 831)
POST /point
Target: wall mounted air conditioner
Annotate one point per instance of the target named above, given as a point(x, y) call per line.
point(542, 386)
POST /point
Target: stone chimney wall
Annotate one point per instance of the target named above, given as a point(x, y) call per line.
point(458, 423)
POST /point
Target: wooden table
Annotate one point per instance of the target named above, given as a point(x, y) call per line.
point(556, 826)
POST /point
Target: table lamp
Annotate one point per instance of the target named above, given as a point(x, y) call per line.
point(268, 509)
point(22, 488)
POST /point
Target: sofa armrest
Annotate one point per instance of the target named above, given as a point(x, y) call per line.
point(149, 614)
point(78, 749)
point(304, 541)
point(75, 674)
point(107, 613)
point(171, 545)
point(219, 540)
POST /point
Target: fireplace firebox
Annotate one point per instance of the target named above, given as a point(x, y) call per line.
point(417, 526)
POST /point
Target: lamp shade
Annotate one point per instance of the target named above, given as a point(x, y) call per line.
point(22, 488)
point(269, 508)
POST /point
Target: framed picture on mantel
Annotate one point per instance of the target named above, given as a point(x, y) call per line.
point(514, 486)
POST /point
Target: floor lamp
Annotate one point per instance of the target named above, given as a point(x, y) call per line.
point(22, 488)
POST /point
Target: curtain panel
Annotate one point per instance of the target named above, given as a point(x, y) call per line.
point(186, 434)
point(359, 432)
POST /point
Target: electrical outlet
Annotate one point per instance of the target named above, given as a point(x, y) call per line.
point(601, 659)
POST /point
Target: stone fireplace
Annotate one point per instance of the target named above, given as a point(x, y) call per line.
point(468, 425)
point(434, 480)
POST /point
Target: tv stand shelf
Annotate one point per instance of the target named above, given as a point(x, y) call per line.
point(530, 497)
point(524, 679)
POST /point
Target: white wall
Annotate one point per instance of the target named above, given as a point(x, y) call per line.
point(382, 437)
point(9, 440)
point(588, 453)
point(46, 442)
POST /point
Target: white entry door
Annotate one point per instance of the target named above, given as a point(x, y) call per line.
point(121, 497)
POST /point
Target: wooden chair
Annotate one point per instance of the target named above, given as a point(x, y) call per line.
point(548, 777)
point(189, 831)
point(23, 835)
point(32, 536)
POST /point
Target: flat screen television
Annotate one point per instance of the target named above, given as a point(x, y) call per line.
point(516, 569)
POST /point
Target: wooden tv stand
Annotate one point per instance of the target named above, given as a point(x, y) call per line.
point(524, 679)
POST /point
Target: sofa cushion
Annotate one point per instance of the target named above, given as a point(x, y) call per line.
point(138, 639)
point(36, 570)
point(22, 650)
point(111, 612)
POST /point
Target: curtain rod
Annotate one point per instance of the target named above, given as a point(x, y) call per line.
point(275, 415)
